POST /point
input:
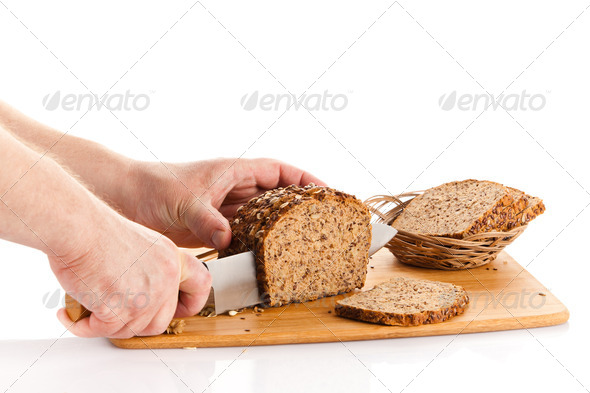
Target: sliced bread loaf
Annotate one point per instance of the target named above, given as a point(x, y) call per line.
point(455, 209)
point(405, 302)
point(308, 242)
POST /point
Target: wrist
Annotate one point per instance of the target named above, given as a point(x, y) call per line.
point(143, 183)
point(88, 223)
point(129, 193)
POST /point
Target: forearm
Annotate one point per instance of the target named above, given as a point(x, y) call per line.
point(102, 170)
point(41, 205)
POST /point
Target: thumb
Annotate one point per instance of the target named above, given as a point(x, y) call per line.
point(209, 225)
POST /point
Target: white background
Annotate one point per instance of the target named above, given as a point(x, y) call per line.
point(393, 61)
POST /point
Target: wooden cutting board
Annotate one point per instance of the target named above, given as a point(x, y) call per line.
point(501, 299)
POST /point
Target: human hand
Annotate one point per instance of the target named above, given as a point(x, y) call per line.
point(129, 277)
point(191, 203)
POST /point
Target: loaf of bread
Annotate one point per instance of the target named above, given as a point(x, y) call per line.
point(405, 302)
point(309, 242)
point(457, 209)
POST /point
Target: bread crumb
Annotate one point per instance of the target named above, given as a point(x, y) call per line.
point(176, 326)
point(208, 311)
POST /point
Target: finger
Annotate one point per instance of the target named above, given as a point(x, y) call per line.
point(209, 225)
point(91, 326)
point(230, 210)
point(307, 178)
point(160, 321)
point(272, 173)
point(195, 285)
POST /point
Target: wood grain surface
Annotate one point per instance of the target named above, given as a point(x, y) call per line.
point(503, 296)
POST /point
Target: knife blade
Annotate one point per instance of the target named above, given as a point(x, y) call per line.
point(234, 278)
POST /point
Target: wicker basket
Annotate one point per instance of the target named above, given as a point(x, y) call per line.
point(436, 252)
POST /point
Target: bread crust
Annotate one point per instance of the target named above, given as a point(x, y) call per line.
point(505, 219)
point(535, 208)
point(406, 319)
point(254, 221)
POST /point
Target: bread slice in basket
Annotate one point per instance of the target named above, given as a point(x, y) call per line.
point(456, 209)
point(463, 208)
point(534, 208)
point(405, 302)
point(309, 242)
point(508, 215)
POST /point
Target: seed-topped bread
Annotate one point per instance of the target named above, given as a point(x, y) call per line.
point(520, 198)
point(405, 302)
point(309, 242)
point(508, 215)
point(457, 209)
point(534, 208)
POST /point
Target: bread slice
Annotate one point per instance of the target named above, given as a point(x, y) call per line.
point(504, 220)
point(535, 207)
point(520, 199)
point(309, 242)
point(457, 209)
point(405, 302)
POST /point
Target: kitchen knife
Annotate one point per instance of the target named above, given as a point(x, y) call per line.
point(234, 278)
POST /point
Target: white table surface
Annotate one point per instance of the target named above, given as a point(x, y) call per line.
point(539, 360)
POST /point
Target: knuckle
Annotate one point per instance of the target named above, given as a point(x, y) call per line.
point(170, 267)
point(170, 262)
point(158, 324)
point(109, 329)
point(123, 333)
point(207, 280)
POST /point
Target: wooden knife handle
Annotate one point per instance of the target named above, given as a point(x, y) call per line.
point(75, 310)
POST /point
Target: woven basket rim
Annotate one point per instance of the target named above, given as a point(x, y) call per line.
point(467, 239)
